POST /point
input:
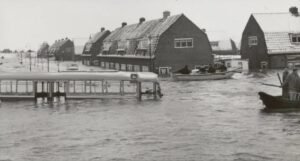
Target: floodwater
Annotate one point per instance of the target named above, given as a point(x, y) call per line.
point(208, 120)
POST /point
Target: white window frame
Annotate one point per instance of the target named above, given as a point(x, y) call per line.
point(183, 40)
point(252, 41)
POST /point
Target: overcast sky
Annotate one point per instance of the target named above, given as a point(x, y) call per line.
point(26, 24)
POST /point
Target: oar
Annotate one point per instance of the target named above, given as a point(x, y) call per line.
point(272, 85)
point(279, 79)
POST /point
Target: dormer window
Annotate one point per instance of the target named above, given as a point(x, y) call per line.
point(295, 38)
point(252, 41)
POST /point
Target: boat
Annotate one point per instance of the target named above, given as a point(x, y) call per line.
point(201, 77)
point(72, 67)
point(278, 103)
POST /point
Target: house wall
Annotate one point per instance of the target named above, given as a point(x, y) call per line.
point(255, 54)
point(277, 61)
point(66, 51)
point(168, 56)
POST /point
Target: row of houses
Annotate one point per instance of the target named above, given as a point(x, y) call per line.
point(161, 45)
point(167, 44)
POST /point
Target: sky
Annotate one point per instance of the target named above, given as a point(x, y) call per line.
point(26, 24)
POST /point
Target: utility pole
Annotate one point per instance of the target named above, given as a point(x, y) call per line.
point(150, 61)
point(48, 61)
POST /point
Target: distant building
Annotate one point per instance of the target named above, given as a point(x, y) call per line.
point(272, 40)
point(43, 50)
point(62, 49)
point(224, 47)
point(162, 45)
point(93, 47)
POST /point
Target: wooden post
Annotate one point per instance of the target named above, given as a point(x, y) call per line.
point(139, 90)
point(102, 85)
point(26, 88)
point(11, 86)
point(84, 86)
point(67, 88)
point(90, 86)
point(74, 87)
point(50, 93)
point(155, 90)
point(16, 86)
point(42, 87)
point(34, 89)
point(122, 88)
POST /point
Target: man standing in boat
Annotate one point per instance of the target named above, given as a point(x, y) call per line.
point(285, 88)
point(292, 81)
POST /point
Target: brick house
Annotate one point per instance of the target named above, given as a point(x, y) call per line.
point(93, 47)
point(162, 45)
point(62, 49)
point(272, 40)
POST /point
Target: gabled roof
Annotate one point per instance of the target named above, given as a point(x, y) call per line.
point(97, 36)
point(59, 43)
point(278, 22)
point(222, 45)
point(140, 30)
point(276, 28)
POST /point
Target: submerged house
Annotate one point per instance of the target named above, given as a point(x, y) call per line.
point(93, 47)
point(62, 49)
point(162, 45)
point(224, 47)
point(272, 40)
point(43, 50)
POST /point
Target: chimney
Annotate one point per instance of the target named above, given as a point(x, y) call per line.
point(124, 24)
point(102, 29)
point(294, 11)
point(166, 14)
point(204, 30)
point(142, 19)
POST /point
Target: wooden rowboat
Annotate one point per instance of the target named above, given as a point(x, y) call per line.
point(278, 103)
point(201, 77)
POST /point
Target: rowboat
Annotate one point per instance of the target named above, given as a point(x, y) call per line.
point(202, 77)
point(278, 103)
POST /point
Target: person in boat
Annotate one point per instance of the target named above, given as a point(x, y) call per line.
point(223, 68)
point(292, 81)
point(184, 70)
point(211, 69)
point(285, 88)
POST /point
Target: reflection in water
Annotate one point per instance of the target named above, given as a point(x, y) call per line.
point(209, 120)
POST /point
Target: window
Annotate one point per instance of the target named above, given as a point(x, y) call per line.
point(106, 46)
point(136, 68)
point(183, 43)
point(145, 68)
point(88, 47)
point(252, 40)
point(123, 67)
point(295, 38)
point(143, 44)
point(129, 67)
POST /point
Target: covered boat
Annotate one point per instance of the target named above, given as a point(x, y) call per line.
point(201, 77)
point(278, 103)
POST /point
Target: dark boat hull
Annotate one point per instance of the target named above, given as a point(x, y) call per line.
point(278, 103)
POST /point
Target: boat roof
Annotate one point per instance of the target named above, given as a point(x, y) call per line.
point(80, 76)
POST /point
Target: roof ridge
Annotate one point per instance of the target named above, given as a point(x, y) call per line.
point(271, 13)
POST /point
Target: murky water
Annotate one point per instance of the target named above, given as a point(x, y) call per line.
point(209, 120)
